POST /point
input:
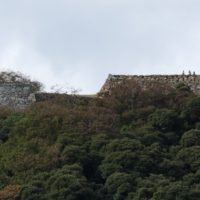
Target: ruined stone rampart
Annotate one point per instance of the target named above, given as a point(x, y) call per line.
point(21, 95)
point(192, 80)
point(16, 95)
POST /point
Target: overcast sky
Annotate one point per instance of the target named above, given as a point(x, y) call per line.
point(79, 42)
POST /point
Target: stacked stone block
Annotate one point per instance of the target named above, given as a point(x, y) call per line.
point(192, 80)
point(16, 95)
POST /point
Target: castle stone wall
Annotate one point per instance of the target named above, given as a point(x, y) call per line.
point(16, 95)
point(20, 95)
point(193, 81)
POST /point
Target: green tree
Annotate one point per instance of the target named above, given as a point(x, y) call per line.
point(119, 185)
point(190, 138)
point(164, 120)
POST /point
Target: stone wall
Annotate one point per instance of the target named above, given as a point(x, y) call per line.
point(191, 80)
point(20, 95)
point(16, 95)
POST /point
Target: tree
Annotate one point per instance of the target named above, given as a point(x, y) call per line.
point(183, 87)
point(119, 185)
point(192, 110)
point(190, 138)
point(164, 120)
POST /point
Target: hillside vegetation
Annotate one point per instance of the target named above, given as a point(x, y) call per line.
point(132, 145)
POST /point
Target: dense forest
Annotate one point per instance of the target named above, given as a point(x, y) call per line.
point(134, 144)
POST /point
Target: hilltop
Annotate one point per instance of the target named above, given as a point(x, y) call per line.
point(135, 143)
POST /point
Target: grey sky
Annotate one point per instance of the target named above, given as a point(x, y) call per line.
point(80, 42)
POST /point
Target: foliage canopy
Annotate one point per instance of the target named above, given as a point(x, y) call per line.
point(133, 145)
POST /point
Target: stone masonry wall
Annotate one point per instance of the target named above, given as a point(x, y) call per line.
point(16, 95)
point(191, 80)
point(20, 95)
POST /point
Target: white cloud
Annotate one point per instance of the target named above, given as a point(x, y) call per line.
point(81, 42)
